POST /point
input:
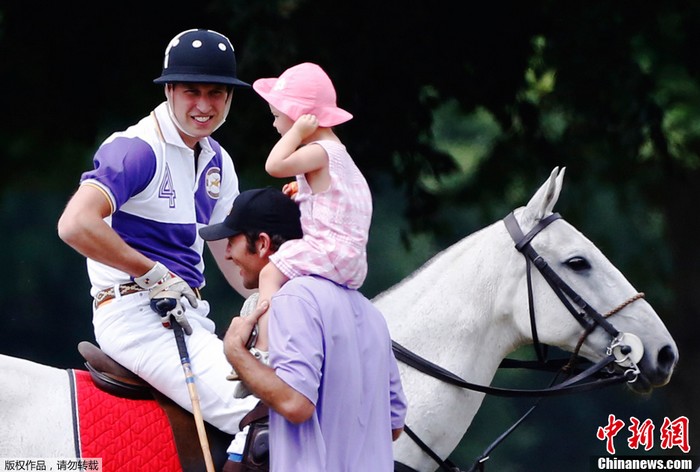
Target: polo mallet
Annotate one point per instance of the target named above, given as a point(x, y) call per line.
point(167, 305)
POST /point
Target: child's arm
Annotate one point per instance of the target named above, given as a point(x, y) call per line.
point(286, 158)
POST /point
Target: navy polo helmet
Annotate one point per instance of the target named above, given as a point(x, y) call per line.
point(200, 56)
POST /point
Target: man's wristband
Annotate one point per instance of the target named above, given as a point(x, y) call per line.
point(151, 278)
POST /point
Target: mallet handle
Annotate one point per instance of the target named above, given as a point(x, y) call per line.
point(194, 397)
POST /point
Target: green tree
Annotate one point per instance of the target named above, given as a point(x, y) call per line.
point(461, 111)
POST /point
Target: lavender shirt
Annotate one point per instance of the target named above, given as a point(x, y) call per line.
point(333, 346)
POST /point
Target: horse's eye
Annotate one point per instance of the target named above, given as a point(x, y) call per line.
point(578, 264)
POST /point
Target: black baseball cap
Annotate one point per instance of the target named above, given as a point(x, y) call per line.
point(265, 210)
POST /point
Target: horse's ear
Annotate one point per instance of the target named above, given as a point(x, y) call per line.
point(542, 203)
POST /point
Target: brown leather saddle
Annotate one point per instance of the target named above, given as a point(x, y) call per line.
point(113, 378)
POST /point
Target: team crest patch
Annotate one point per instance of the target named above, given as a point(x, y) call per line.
point(213, 182)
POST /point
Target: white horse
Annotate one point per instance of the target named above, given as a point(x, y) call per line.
point(465, 310)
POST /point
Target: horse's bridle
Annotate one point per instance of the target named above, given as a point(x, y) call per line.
point(625, 349)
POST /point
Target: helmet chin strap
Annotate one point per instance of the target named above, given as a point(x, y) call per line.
point(227, 107)
point(169, 99)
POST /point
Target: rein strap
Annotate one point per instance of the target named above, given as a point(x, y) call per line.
point(567, 387)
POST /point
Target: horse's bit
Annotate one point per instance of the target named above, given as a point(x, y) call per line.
point(625, 349)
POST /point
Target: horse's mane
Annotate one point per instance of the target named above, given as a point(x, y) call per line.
point(460, 246)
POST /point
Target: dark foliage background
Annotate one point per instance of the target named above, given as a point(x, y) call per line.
point(462, 109)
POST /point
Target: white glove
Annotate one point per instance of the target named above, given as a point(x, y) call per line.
point(165, 290)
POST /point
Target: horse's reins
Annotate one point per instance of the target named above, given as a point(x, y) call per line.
point(617, 352)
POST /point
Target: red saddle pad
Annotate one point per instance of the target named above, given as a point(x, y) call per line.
point(128, 435)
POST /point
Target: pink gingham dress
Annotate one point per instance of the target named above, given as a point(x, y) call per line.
point(335, 223)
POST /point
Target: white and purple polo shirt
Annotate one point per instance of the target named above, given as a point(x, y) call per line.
point(159, 198)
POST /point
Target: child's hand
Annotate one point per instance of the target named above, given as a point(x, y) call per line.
point(291, 189)
point(306, 125)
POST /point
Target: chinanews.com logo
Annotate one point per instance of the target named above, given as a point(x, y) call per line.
point(644, 463)
point(672, 437)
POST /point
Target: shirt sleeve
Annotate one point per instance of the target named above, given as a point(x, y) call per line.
point(124, 166)
point(296, 344)
point(399, 404)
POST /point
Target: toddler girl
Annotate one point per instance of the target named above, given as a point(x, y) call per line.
point(333, 195)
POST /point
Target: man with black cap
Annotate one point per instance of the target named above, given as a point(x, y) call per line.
point(135, 217)
point(333, 385)
point(265, 218)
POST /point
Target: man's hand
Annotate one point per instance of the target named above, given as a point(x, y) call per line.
point(165, 290)
point(239, 331)
point(261, 379)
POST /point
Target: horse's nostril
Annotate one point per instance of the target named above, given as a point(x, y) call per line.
point(666, 360)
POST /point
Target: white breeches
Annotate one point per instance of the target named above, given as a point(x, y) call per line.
point(131, 333)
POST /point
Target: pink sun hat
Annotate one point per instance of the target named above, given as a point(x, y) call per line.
point(303, 89)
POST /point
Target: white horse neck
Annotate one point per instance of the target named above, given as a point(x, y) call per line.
point(457, 302)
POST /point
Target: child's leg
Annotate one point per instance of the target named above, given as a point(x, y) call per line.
point(270, 281)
